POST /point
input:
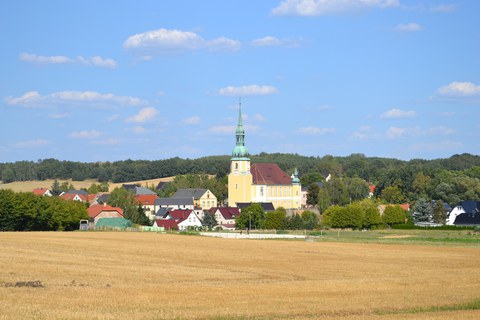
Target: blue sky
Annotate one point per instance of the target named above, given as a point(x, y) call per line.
point(111, 80)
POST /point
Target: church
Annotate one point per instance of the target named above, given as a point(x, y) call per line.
point(259, 182)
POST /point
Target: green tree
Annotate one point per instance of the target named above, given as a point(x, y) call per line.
point(310, 220)
point(394, 215)
point(333, 215)
point(422, 211)
point(311, 177)
point(121, 198)
point(209, 221)
point(55, 188)
point(295, 222)
point(392, 194)
point(439, 214)
point(324, 200)
point(252, 217)
point(358, 189)
point(139, 217)
point(312, 194)
point(275, 219)
point(337, 191)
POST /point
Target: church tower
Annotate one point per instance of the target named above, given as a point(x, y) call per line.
point(240, 177)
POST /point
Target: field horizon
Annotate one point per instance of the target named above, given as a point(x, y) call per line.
point(111, 275)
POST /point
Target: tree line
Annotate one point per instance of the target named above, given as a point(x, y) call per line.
point(24, 211)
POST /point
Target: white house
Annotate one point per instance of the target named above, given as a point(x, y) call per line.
point(226, 216)
point(465, 213)
point(184, 219)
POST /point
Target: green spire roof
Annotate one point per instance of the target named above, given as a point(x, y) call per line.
point(240, 151)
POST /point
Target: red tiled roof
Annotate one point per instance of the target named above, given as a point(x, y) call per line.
point(228, 212)
point(372, 188)
point(71, 196)
point(145, 199)
point(96, 209)
point(405, 206)
point(269, 174)
point(167, 223)
point(39, 191)
point(179, 215)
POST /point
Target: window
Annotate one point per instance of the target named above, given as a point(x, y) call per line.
point(236, 186)
point(236, 165)
point(261, 191)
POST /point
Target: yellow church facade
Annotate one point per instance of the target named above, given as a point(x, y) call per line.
point(260, 182)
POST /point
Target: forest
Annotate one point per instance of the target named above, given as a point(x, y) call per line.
point(450, 180)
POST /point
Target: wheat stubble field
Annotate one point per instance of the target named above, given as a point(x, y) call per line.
point(117, 275)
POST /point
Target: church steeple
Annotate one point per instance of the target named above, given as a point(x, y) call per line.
point(240, 151)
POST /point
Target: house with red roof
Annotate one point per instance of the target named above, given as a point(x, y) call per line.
point(74, 197)
point(226, 216)
point(42, 192)
point(179, 220)
point(147, 201)
point(97, 211)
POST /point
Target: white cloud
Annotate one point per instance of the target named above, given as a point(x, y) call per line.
point(144, 115)
point(85, 134)
point(31, 143)
point(270, 41)
point(35, 99)
point(397, 113)
point(459, 90)
point(165, 41)
point(113, 117)
point(408, 27)
point(395, 132)
point(191, 120)
point(248, 90)
point(315, 131)
point(444, 8)
point(33, 58)
point(363, 133)
point(96, 61)
point(325, 7)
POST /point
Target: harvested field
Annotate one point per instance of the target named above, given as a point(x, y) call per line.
point(116, 275)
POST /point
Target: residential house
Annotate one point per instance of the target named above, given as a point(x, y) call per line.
point(42, 192)
point(166, 224)
point(466, 213)
point(174, 203)
point(184, 219)
point(74, 197)
point(98, 211)
point(202, 198)
point(226, 216)
point(147, 201)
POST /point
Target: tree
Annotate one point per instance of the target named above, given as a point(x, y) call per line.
point(275, 219)
point(139, 217)
point(312, 194)
point(295, 222)
point(311, 177)
point(358, 189)
point(332, 216)
point(372, 218)
point(209, 220)
point(324, 200)
point(439, 214)
point(392, 194)
point(422, 211)
point(121, 198)
point(310, 220)
point(394, 215)
point(337, 191)
point(56, 190)
point(252, 217)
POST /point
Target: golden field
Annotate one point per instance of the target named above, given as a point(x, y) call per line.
point(27, 186)
point(122, 275)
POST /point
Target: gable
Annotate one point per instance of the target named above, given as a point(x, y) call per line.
point(269, 174)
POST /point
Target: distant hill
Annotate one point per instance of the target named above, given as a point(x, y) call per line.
point(368, 168)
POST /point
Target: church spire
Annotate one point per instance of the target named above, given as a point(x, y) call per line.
point(240, 151)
